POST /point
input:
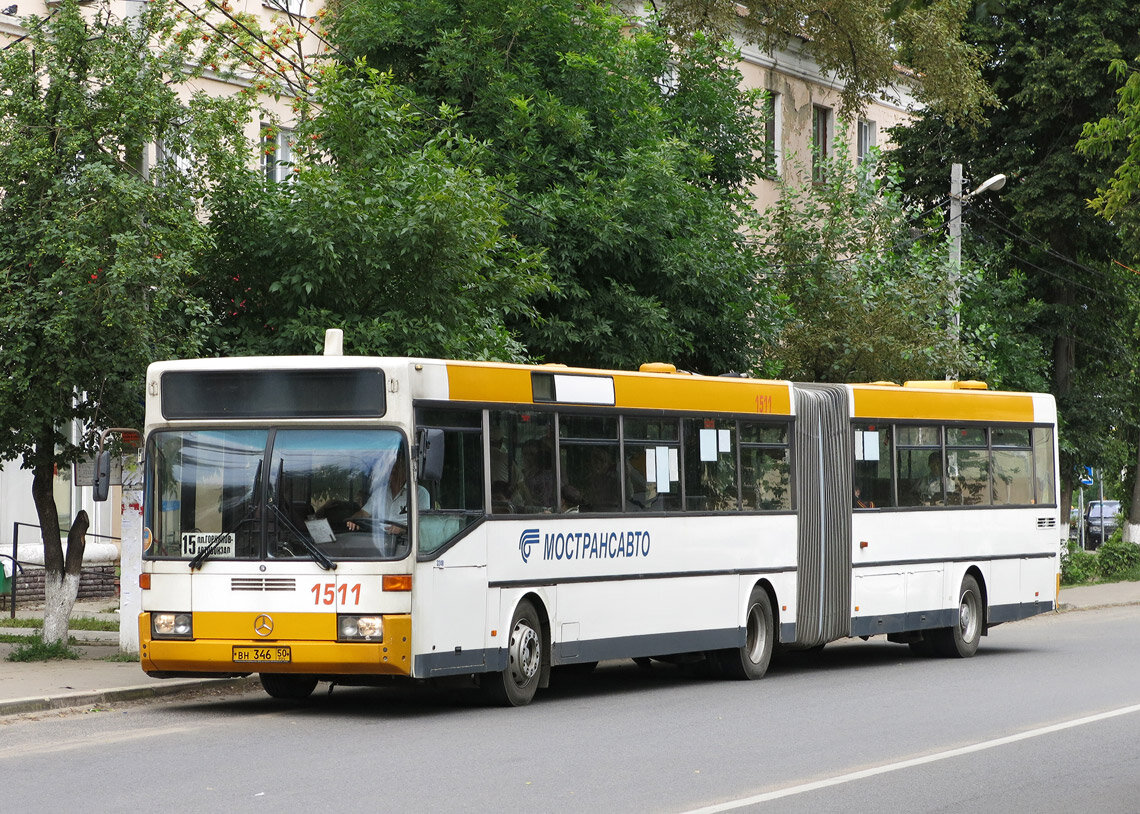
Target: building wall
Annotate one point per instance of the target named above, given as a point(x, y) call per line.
point(800, 86)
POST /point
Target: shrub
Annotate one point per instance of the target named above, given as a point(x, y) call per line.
point(1117, 559)
point(1077, 565)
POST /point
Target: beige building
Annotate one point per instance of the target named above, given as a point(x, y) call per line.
point(804, 110)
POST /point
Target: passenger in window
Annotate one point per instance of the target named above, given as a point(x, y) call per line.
point(602, 488)
point(860, 501)
point(388, 499)
point(935, 485)
point(536, 493)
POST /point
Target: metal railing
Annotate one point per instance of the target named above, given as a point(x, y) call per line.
point(18, 567)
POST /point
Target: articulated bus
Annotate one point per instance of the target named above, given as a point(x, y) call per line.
point(359, 520)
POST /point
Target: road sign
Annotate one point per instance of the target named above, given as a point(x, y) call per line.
point(1086, 476)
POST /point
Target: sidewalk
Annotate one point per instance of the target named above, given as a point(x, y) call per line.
point(92, 680)
point(87, 681)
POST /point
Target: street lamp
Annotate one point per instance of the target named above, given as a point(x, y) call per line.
point(993, 183)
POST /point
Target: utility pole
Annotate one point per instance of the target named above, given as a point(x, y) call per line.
point(954, 274)
point(954, 329)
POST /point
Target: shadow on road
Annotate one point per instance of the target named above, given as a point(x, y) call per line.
point(402, 700)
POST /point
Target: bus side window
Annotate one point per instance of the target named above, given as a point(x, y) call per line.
point(1043, 465)
point(456, 500)
point(921, 469)
point(872, 473)
point(652, 464)
point(968, 466)
point(710, 466)
point(588, 446)
point(522, 462)
point(1012, 466)
point(765, 471)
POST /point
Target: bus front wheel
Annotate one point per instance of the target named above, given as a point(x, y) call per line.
point(751, 661)
point(288, 687)
point(961, 640)
point(516, 685)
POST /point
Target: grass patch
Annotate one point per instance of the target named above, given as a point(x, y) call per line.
point(36, 650)
point(78, 623)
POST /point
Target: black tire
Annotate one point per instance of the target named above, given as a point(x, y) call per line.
point(288, 687)
point(961, 641)
point(750, 661)
point(516, 685)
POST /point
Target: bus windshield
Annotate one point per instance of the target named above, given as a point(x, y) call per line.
point(279, 494)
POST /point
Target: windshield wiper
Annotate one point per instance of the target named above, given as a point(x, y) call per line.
point(319, 556)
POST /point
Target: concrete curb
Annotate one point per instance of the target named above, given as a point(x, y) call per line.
point(1066, 607)
point(86, 698)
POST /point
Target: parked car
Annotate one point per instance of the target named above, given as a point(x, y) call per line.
point(1101, 520)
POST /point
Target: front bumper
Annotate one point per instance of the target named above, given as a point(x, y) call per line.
point(211, 652)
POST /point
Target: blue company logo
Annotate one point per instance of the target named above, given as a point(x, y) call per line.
point(586, 545)
point(528, 538)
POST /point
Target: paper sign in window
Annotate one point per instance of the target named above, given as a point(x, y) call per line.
point(662, 469)
point(708, 444)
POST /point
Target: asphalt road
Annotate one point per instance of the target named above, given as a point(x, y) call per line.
point(1045, 718)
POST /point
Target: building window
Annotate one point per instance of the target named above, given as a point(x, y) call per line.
point(867, 133)
point(771, 134)
point(820, 141)
point(276, 153)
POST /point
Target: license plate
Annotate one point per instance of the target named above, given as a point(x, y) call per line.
point(263, 655)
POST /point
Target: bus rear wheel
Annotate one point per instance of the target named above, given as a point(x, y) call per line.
point(961, 640)
point(516, 685)
point(751, 661)
point(288, 687)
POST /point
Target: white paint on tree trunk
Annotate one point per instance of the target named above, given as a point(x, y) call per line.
point(1132, 532)
point(131, 536)
point(59, 599)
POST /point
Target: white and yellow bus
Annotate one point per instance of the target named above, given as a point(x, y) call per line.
point(355, 519)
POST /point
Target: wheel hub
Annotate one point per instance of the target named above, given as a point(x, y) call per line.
point(524, 653)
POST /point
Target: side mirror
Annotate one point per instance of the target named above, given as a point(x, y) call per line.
point(429, 443)
point(102, 484)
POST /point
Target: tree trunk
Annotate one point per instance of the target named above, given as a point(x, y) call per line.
point(1132, 522)
point(61, 577)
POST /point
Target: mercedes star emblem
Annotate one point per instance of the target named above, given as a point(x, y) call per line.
point(263, 625)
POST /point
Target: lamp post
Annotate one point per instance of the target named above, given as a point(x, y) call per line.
point(994, 183)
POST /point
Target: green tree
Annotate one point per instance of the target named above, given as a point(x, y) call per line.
point(1116, 137)
point(1048, 64)
point(628, 159)
point(95, 259)
point(387, 228)
point(867, 283)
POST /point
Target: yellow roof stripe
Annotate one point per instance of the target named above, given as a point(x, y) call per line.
point(511, 384)
point(941, 405)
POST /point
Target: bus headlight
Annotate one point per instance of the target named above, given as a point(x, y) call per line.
point(360, 628)
point(171, 625)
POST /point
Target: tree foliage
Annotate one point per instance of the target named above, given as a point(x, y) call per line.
point(1049, 65)
point(628, 160)
point(1116, 136)
point(97, 262)
point(386, 228)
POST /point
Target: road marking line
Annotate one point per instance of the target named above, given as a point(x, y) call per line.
point(906, 764)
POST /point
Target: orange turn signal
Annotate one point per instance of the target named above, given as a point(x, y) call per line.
point(397, 582)
point(144, 581)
